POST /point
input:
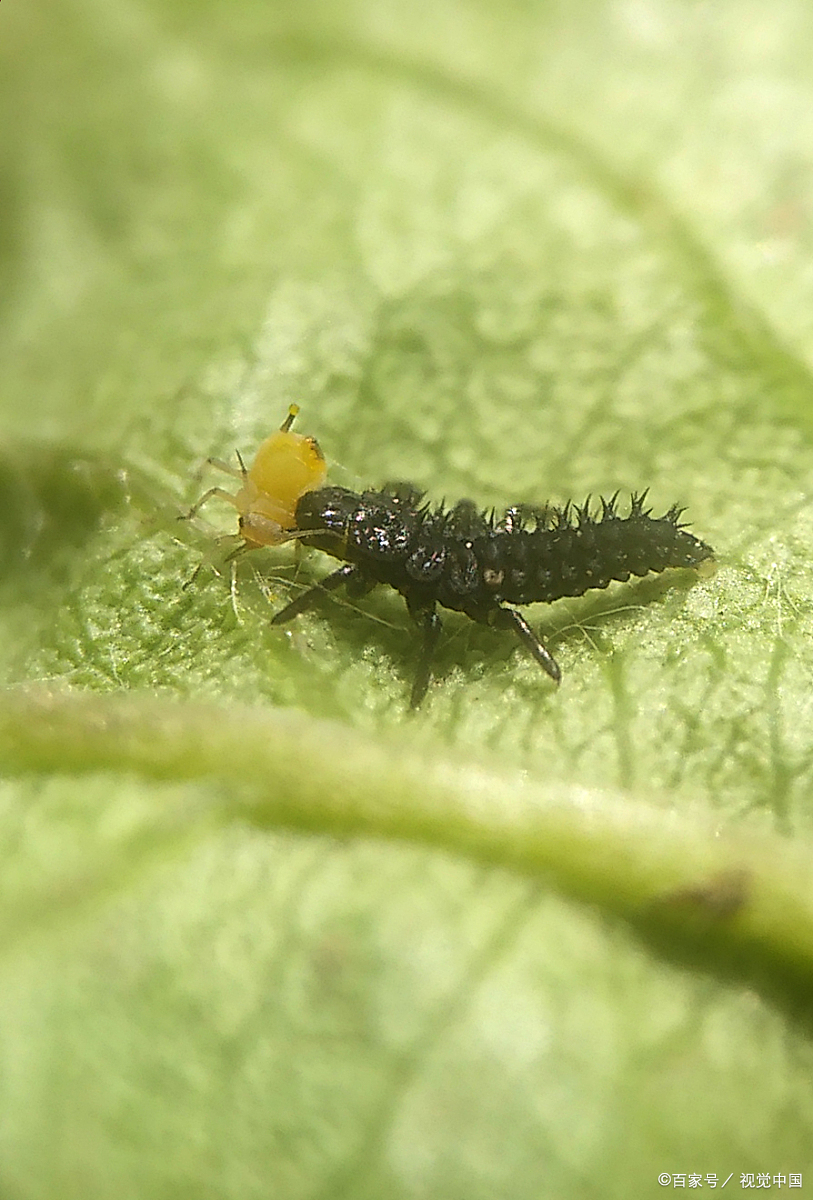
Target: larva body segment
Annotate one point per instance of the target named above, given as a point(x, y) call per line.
point(466, 560)
point(569, 559)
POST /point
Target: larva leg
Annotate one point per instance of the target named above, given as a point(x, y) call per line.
point(430, 625)
point(313, 595)
point(508, 618)
point(359, 584)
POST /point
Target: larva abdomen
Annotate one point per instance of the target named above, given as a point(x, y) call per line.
point(477, 563)
point(571, 560)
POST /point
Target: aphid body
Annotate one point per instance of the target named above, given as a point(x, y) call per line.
point(475, 563)
point(286, 466)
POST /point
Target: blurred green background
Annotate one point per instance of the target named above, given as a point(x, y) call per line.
point(518, 252)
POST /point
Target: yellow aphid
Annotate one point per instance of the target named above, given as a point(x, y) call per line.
point(286, 466)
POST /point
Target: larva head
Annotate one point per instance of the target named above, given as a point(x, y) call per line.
point(286, 466)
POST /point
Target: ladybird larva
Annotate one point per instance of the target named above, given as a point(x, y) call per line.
point(477, 563)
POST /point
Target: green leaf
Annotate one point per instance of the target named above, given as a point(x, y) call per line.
point(264, 932)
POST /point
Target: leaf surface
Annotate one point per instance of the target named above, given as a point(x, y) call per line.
point(264, 932)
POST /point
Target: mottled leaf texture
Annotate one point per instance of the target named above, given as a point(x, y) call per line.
point(265, 932)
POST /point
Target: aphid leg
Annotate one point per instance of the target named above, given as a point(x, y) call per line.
point(233, 585)
point(221, 493)
point(313, 595)
point(508, 618)
point(192, 577)
point(219, 465)
point(227, 468)
point(214, 561)
point(430, 624)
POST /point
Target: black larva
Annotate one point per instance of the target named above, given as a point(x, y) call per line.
point(476, 563)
